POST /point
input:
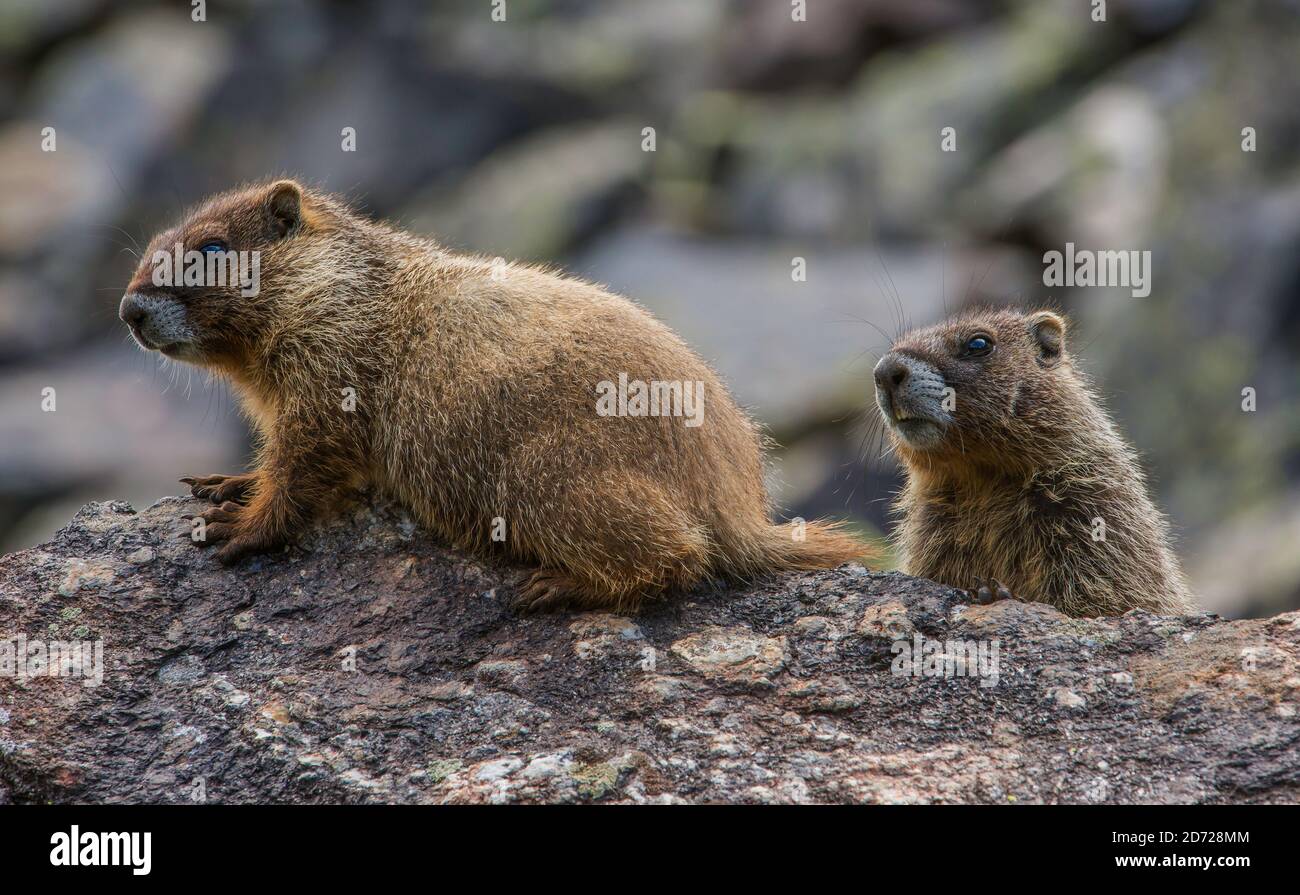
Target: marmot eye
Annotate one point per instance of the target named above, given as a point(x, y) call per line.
point(979, 345)
point(212, 245)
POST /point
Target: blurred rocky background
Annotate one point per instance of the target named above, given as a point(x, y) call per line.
point(774, 140)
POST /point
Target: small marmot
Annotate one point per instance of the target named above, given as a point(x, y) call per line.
point(504, 405)
point(1017, 480)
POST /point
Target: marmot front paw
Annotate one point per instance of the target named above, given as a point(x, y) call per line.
point(221, 488)
point(234, 526)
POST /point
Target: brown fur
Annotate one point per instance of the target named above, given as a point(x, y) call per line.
point(475, 398)
point(1027, 463)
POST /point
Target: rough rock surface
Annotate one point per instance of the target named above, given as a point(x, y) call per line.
point(372, 665)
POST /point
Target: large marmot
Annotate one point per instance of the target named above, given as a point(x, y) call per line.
point(507, 406)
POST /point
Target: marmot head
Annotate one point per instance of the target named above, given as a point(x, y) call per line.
point(982, 386)
point(208, 300)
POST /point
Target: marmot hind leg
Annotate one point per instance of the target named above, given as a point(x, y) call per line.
point(616, 589)
point(622, 563)
point(550, 589)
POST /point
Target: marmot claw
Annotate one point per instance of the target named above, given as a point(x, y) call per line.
point(989, 590)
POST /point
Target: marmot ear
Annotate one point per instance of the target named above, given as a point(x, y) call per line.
point(284, 207)
point(1048, 332)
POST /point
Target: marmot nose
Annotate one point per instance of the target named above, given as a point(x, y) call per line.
point(891, 373)
point(131, 311)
